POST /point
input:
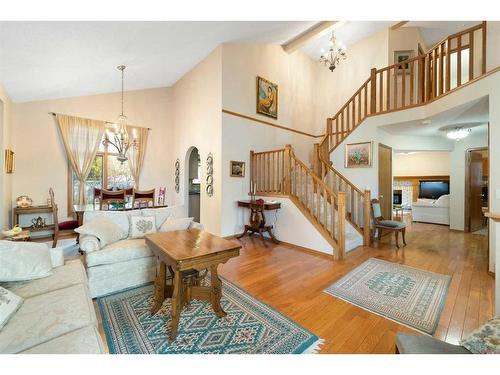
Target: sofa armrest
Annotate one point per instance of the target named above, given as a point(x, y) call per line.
point(57, 257)
point(89, 243)
point(196, 225)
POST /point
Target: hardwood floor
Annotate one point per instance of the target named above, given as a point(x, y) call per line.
point(292, 281)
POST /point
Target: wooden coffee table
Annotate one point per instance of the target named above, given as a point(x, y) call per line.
point(188, 250)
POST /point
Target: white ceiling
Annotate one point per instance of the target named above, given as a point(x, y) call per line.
point(46, 60)
point(347, 32)
point(474, 115)
point(350, 32)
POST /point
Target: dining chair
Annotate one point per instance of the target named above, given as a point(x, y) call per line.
point(143, 198)
point(97, 195)
point(380, 224)
point(109, 196)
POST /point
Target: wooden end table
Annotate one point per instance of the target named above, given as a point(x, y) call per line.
point(184, 251)
point(257, 220)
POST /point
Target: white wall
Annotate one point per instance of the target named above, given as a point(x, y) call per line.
point(457, 177)
point(41, 161)
point(422, 164)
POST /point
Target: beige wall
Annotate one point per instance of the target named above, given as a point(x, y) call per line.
point(5, 142)
point(294, 73)
point(40, 157)
point(404, 39)
point(422, 164)
point(197, 103)
point(333, 89)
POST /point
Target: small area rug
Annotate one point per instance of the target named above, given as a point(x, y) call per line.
point(249, 327)
point(406, 295)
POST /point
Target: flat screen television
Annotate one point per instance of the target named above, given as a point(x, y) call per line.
point(433, 189)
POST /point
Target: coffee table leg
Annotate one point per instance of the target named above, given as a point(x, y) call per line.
point(216, 292)
point(159, 288)
point(176, 305)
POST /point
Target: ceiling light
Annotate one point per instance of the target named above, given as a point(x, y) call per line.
point(458, 133)
point(336, 52)
point(121, 140)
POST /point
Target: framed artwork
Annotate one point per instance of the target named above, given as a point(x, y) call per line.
point(358, 155)
point(237, 168)
point(267, 98)
point(400, 56)
point(9, 161)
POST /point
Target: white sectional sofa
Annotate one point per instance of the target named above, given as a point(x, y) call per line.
point(128, 262)
point(56, 317)
point(432, 211)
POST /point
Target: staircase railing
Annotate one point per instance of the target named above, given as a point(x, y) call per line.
point(452, 62)
point(358, 202)
point(282, 173)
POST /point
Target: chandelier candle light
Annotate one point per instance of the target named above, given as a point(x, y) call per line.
point(336, 52)
point(121, 140)
point(458, 133)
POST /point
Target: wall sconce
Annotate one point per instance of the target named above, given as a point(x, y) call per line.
point(9, 161)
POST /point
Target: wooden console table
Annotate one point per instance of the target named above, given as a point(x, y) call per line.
point(18, 211)
point(257, 221)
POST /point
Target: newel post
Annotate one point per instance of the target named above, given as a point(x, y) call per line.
point(367, 218)
point(288, 166)
point(316, 152)
point(373, 91)
point(252, 176)
point(341, 212)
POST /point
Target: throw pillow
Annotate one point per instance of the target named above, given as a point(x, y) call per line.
point(161, 214)
point(102, 227)
point(20, 261)
point(9, 303)
point(57, 257)
point(485, 339)
point(176, 223)
point(142, 225)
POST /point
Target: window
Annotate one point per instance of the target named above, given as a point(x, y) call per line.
point(106, 167)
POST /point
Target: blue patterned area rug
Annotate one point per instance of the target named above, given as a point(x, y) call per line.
point(249, 327)
point(406, 295)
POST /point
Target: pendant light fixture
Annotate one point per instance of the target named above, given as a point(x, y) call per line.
point(121, 140)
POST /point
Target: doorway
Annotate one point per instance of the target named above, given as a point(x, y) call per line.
point(385, 180)
point(194, 164)
point(476, 190)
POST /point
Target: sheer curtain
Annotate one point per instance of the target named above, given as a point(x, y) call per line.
point(136, 155)
point(81, 139)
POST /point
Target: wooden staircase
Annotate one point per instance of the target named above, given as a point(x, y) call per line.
point(327, 198)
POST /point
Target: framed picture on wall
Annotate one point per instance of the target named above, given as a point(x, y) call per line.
point(237, 168)
point(9, 161)
point(267, 98)
point(358, 155)
point(400, 56)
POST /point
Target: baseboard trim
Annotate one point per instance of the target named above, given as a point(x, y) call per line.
point(296, 247)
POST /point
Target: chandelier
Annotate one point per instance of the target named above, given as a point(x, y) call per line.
point(458, 133)
point(336, 52)
point(121, 140)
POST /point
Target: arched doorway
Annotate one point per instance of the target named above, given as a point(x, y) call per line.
point(193, 172)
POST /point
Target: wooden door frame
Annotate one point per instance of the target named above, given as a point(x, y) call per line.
point(392, 176)
point(467, 185)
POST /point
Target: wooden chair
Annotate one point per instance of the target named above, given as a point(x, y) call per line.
point(63, 227)
point(380, 224)
point(144, 196)
point(110, 196)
